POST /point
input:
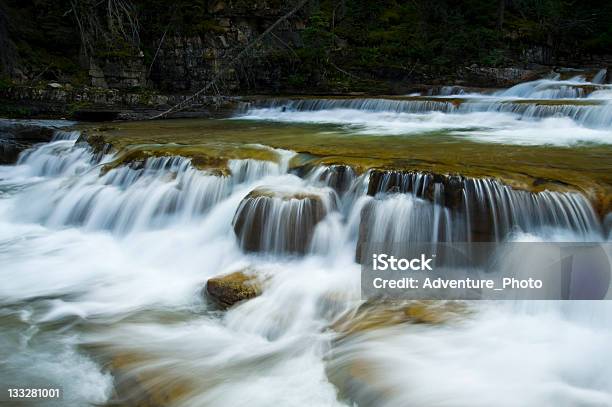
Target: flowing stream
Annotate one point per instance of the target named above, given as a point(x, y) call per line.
point(103, 268)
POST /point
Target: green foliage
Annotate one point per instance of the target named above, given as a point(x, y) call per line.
point(317, 38)
point(342, 39)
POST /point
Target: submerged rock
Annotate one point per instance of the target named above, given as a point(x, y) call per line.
point(377, 315)
point(137, 382)
point(230, 289)
point(271, 219)
point(356, 372)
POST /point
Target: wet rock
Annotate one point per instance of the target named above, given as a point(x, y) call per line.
point(281, 221)
point(607, 225)
point(356, 374)
point(444, 189)
point(382, 314)
point(118, 72)
point(230, 289)
point(137, 382)
point(358, 380)
point(338, 177)
point(96, 140)
point(103, 104)
point(137, 158)
point(479, 209)
point(14, 138)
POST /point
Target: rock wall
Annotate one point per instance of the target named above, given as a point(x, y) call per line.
point(118, 72)
point(98, 104)
point(188, 61)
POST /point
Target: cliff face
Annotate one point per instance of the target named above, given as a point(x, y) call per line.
point(185, 61)
point(329, 46)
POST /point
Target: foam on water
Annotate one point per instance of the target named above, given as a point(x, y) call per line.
point(498, 357)
point(542, 112)
point(109, 267)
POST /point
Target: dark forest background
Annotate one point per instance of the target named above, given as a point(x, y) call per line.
point(326, 42)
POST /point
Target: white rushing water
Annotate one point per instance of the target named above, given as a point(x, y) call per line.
point(103, 275)
point(542, 112)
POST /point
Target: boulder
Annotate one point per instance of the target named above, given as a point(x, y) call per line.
point(338, 177)
point(230, 289)
point(279, 221)
point(14, 138)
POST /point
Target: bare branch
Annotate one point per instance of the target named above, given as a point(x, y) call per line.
point(187, 102)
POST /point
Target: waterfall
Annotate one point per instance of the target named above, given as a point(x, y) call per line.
point(509, 210)
point(155, 193)
point(280, 220)
point(548, 89)
point(371, 105)
point(600, 76)
point(164, 190)
point(450, 90)
point(338, 177)
point(104, 265)
point(587, 104)
point(59, 157)
point(460, 209)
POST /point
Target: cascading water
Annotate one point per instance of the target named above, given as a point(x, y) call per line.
point(281, 220)
point(417, 207)
point(600, 76)
point(103, 270)
point(546, 111)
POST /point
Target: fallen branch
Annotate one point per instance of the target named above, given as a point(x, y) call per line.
point(187, 102)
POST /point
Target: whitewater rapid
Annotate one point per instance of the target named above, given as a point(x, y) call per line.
point(103, 272)
point(543, 112)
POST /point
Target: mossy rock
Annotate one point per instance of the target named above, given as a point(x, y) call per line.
point(136, 157)
point(96, 141)
point(230, 289)
point(582, 168)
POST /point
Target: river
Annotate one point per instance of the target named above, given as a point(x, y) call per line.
point(104, 256)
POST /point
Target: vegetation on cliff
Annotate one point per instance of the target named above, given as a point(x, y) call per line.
point(340, 44)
